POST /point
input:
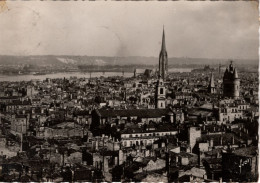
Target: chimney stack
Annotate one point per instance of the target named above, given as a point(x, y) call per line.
point(211, 143)
point(191, 178)
point(220, 179)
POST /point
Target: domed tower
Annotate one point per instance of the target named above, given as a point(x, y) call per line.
point(231, 82)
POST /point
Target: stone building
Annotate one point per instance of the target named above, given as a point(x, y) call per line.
point(231, 82)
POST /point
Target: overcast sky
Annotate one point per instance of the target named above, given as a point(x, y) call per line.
point(193, 29)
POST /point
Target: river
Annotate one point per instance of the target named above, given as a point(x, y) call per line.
point(75, 74)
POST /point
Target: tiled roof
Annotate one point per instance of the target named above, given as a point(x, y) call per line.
point(142, 113)
point(246, 151)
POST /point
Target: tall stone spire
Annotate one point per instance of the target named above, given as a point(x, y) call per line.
point(163, 59)
point(163, 42)
point(211, 87)
point(212, 84)
point(235, 73)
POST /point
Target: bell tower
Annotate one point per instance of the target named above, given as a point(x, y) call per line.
point(231, 82)
point(160, 93)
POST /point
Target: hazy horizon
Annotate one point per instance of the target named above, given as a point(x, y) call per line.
point(227, 59)
point(211, 30)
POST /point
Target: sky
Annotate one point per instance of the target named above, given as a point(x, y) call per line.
point(101, 28)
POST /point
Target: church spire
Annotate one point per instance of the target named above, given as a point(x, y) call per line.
point(163, 59)
point(211, 87)
point(163, 42)
point(212, 84)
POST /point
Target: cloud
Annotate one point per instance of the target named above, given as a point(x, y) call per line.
point(193, 29)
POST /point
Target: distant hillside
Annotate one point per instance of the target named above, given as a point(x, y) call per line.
point(63, 60)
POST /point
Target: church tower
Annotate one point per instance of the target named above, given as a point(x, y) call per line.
point(211, 87)
point(160, 94)
point(163, 60)
point(231, 82)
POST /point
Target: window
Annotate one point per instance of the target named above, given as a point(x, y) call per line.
point(161, 104)
point(161, 90)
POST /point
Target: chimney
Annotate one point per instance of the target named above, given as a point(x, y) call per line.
point(93, 144)
point(191, 178)
point(218, 155)
point(199, 157)
point(205, 176)
point(97, 145)
point(221, 140)
point(116, 160)
point(211, 143)
point(177, 160)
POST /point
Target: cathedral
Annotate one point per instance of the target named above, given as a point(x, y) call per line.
point(231, 83)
